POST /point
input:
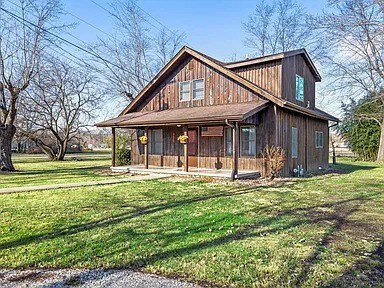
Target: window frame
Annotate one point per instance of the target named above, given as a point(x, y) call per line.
point(297, 88)
point(317, 133)
point(193, 89)
point(241, 141)
point(293, 128)
point(226, 153)
point(152, 144)
point(189, 91)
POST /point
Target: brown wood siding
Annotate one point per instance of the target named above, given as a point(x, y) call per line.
point(218, 88)
point(266, 75)
point(290, 67)
point(211, 149)
point(309, 157)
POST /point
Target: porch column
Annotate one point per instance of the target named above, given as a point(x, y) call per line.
point(146, 149)
point(185, 132)
point(235, 151)
point(113, 147)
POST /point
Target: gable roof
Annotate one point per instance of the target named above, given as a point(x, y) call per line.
point(186, 52)
point(278, 56)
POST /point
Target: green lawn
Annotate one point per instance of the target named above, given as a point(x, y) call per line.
point(317, 232)
point(38, 170)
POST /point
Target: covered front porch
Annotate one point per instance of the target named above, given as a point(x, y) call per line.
point(221, 140)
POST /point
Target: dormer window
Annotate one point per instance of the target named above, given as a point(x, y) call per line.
point(299, 88)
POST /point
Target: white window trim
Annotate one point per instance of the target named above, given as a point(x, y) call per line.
point(322, 139)
point(192, 90)
point(297, 142)
point(189, 94)
point(301, 100)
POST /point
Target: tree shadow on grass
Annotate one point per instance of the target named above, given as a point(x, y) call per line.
point(368, 272)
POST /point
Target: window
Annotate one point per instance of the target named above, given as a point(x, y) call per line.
point(248, 141)
point(185, 88)
point(319, 139)
point(198, 89)
point(228, 141)
point(155, 142)
point(299, 88)
point(294, 142)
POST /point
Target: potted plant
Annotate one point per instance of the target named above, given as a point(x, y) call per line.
point(183, 139)
point(143, 139)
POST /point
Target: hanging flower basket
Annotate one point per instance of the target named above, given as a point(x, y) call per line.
point(183, 139)
point(143, 139)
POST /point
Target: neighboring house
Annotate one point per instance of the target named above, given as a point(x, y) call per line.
point(230, 111)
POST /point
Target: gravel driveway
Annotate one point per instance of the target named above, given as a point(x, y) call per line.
point(50, 278)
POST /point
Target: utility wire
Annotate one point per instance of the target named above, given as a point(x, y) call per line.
point(70, 43)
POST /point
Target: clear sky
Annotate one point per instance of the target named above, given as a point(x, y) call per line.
point(211, 26)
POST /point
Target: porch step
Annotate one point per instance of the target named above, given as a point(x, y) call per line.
point(179, 171)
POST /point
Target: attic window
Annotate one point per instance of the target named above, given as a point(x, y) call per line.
point(184, 90)
point(299, 88)
point(198, 89)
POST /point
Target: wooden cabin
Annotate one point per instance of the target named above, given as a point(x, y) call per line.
point(230, 112)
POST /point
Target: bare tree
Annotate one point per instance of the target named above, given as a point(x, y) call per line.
point(136, 50)
point(23, 33)
point(279, 26)
point(355, 37)
point(60, 102)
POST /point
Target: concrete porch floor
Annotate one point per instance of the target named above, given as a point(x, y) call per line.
point(193, 171)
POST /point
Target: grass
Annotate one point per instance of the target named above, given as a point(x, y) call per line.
point(325, 231)
point(38, 170)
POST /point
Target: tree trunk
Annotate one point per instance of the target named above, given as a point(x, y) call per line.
point(380, 154)
point(6, 135)
point(62, 146)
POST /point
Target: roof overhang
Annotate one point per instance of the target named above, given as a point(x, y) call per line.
point(191, 115)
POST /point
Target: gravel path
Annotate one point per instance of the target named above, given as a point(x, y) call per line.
point(49, 278)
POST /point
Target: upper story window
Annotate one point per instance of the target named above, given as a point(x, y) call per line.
point(319, 139)
point(299, 88)
point(185, 90)
point(198, 89)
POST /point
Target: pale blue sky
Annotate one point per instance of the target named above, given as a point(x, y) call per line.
point(211, 26)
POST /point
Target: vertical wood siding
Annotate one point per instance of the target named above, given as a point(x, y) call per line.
point(310, 157)
point(290, 67)
point(218, 88)
point(266, 75)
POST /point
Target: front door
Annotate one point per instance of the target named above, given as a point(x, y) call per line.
point(192, 147)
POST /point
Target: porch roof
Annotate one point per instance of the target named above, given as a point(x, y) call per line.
point(190, 115)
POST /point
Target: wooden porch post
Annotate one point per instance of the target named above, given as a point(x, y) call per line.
point(185, 130)
point(113, 147)
point(146, 149)
point(235, 151)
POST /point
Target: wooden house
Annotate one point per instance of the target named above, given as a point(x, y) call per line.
point(230, 112)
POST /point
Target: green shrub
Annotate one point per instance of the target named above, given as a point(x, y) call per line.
point(123, 157)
